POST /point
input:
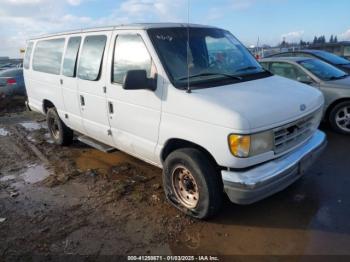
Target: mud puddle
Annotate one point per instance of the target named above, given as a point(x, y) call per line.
point(35, 174)
point(4, 132)
point(32, 126)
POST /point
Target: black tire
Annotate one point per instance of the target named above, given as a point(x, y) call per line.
point(333, 115)
point(207, 179)
point(60, 133)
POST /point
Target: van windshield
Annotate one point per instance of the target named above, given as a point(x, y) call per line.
point(214, 56)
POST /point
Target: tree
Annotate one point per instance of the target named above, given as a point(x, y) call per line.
point(321, 39)
point(335, 39)
point(331, 40)
point(315, 40)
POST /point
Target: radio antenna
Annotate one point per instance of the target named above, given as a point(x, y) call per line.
point(188, 47)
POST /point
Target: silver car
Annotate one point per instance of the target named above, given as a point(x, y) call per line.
point(333, 82)
point(12, 82)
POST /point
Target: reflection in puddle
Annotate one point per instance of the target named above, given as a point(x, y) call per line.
point(35, 174)
point(7, 178)
point(32, 126)
point(3, 132)
point(48, 138)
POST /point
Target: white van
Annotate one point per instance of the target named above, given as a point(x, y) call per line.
point(187, 98)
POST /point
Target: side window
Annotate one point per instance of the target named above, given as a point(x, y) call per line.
point(28, 55)
point(48, 56)
point(265, 65)
point(130, 53)
point(70, 58)
point(288, 70)
point(347, 51)
point(91, 57)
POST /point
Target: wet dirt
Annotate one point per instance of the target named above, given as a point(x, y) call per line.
point(77, 200)
point(12, 104)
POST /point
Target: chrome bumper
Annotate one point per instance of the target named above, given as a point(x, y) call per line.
point(251, 185)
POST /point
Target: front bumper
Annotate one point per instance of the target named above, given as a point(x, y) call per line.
point(251, 185)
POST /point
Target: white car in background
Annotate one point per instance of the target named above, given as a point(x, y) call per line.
point(187, 98)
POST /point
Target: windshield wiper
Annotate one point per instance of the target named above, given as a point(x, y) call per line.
point(209, 74)
point(246, 68)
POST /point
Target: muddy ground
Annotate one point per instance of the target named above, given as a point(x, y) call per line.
point(79, 201)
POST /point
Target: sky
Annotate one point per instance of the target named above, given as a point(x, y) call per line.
point(268, 20)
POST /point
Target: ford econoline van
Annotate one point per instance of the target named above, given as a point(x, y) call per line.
point(189, 99)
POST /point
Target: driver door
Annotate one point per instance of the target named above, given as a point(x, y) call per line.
point(134, 115)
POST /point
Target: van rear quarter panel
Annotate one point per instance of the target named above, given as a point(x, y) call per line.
point(43, 86)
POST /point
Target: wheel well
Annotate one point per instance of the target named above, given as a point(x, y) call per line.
point(175, 144)
point(46, 105)
point(334, 103)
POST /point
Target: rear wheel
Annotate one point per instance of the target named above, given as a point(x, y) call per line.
point(60, 133)
point(339, 118)
point(192, 183)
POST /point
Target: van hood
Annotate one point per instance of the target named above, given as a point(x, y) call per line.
point(251, 106)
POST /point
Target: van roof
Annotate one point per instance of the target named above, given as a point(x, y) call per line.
point(139, 26)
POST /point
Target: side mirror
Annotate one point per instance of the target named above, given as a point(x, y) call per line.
point(137, 80)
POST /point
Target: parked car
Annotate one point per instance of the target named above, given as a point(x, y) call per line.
point(333, 82)
point(197, 105)
point(12, 82)
point(337, 61)
point(6, 66)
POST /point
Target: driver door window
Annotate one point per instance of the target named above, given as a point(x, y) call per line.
point(289, 71)
point(130, 54)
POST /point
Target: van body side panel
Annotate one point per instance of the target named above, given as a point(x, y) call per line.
point(211, 137)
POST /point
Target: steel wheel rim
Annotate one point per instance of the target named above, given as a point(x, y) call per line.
point(185, 187)
point(54, 128)
point(342, 118)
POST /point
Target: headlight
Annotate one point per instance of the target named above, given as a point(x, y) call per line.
point(251, 145)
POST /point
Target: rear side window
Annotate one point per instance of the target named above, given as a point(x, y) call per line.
point(70, 58)
point(28, 55)
point(48, 56)
point(91, 57)
point(130, 54)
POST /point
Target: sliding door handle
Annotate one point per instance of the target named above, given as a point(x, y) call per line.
point(82, 100)
point(111, 108)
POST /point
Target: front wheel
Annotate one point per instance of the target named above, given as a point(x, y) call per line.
point(192, 183)
point(339, 118)
point(60, 133)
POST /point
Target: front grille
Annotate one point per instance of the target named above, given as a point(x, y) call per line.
point(292, 134)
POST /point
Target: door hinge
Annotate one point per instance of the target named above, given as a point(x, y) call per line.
point(109, 132)
point(104, 89)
